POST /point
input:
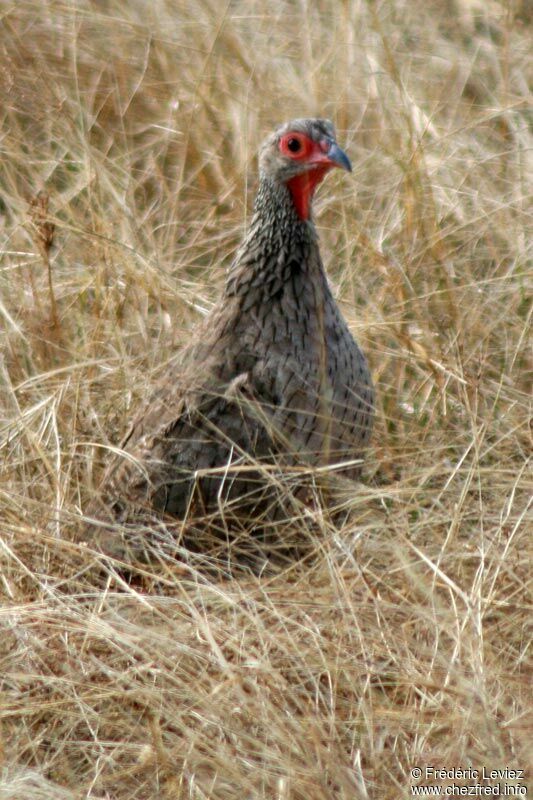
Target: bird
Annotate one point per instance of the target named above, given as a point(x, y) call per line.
point(272, 380)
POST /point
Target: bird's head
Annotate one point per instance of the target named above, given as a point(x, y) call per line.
point(298, 154)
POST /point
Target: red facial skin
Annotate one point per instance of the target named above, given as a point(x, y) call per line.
point(302, 186)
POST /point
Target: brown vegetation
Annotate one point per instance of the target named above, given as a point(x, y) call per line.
point(128, 139)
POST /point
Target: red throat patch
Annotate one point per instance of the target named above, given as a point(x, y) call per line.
point(302, 188)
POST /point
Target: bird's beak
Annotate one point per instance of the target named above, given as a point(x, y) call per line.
point(338, 157)
point(328, 154)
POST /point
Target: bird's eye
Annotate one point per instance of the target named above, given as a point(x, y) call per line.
point(295, 145)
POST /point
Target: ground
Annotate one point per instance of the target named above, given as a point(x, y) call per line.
point(129, 134)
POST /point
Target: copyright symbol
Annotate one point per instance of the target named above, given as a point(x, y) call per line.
point(416, 773)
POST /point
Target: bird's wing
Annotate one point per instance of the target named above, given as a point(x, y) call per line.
point(204, 437)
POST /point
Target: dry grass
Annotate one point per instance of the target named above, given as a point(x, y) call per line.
point(128, 137)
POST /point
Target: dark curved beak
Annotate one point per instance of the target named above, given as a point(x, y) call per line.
point(336, 155)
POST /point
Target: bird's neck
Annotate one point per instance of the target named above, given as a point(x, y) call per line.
point(278, 241)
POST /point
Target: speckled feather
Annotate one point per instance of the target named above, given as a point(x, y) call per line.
point(274, 376)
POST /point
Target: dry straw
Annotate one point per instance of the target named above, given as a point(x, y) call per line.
point(127, 168)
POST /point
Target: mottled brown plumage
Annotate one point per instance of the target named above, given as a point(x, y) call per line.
point(274, 376)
